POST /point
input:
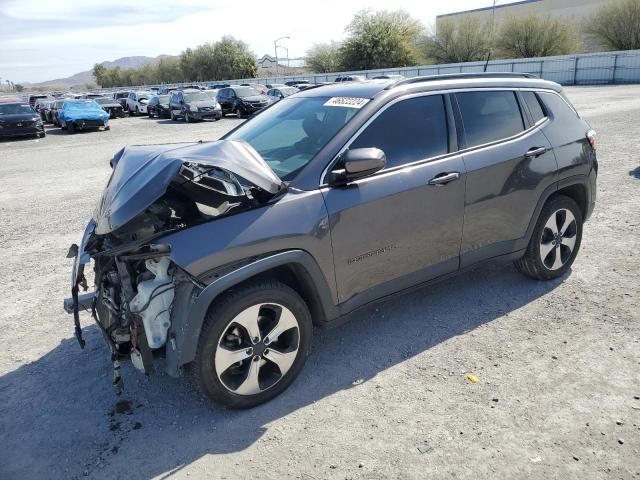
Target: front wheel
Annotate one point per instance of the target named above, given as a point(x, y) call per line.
point(254, 343)
point(187, 119)
point(555, 242)
point(71, 128)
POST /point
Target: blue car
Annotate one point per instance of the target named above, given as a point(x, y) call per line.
point(82, 114)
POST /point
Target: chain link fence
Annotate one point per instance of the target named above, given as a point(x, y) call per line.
point(582, 69)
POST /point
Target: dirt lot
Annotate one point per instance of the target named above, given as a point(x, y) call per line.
point(383, 396)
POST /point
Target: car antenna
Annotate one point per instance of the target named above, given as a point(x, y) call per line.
point(493, 20)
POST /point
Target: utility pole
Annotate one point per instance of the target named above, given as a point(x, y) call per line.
point(275, 48)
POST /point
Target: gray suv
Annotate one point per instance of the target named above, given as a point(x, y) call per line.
point(223, 255)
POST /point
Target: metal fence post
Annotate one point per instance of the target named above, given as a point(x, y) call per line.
point(575, 71)
point(615, 67)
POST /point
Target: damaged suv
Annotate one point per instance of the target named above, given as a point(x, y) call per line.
point(222, 256)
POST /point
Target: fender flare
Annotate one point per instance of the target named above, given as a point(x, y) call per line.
point(188, 320)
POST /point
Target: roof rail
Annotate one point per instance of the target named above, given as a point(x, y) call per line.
point(459, 76)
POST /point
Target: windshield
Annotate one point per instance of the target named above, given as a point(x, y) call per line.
point(291, 132)
point(212, 94)
point(286, 91)
point(103, 101)
point(84, 105)
point(15, 109)
point(246, 92)
point(196, 97)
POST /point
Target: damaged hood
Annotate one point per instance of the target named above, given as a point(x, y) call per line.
point(142, 174)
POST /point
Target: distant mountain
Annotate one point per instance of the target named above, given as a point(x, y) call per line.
point(87, 77)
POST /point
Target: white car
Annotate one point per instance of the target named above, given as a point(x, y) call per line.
point(137, 102)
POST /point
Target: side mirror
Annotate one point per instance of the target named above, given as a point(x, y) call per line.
point(358, 163)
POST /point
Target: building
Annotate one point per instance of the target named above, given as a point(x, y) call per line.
point(575, 10)
point(267, 64)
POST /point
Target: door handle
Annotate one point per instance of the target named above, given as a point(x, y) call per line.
point(535, 152)
point(444, 178)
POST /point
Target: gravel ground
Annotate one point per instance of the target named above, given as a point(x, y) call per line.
point(383, 396)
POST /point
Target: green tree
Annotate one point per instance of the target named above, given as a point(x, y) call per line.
point(617, 25)
point(465, 41)
point(324, 57)
point(227, 58)
point(381, 39)
point(535, 36)
point(18, 87)
point(99, 73)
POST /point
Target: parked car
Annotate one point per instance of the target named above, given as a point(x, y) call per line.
point(91, 96)
point(350, 78)
point(277, 94)
point(48, 112)
point(33, 98)
point(218, 86)
point(55, 107)
point(158, 106)
point(167, 90)
point(193, 105)
point(121, 98)
point(111, 106)
point(137, 102)
point(82, 115)
point(275, 85)
point(388, 77)
point(223, 255)
point(258, 86)
point(19, 119)
point(242, 101)
point(40, 106)
point(291, 83)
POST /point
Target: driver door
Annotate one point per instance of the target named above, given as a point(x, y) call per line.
point(401, 226)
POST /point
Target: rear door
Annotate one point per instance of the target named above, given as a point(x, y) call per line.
point(394, 229)
point(509, 164)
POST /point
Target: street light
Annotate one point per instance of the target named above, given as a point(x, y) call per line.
point(275, 47)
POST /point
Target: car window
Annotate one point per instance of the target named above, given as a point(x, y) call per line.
point(531, 99)
point(291, 132)
point(489, 116)
point(559, 108)
point(407, 131)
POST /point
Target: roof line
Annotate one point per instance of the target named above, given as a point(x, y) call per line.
point(482, 9)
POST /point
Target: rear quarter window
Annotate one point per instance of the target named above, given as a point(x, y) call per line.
point(489, 116)
point(558, 107)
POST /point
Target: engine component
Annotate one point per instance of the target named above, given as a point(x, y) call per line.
point(153, 302)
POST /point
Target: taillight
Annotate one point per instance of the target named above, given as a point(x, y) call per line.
point(593, 141)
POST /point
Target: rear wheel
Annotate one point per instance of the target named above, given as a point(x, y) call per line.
point(71, 128)
point(187, 119)
point(172, 115)
point(253, 344)
point(555, 242)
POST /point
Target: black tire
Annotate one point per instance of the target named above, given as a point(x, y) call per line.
point(218, 321)
point(187, 119)
point(240, 113)
point(149, 112)
point(71, 128)
point(172, 116)
point(42, 134)
point(532, 264)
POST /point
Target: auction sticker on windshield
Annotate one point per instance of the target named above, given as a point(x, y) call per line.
point(349, 102)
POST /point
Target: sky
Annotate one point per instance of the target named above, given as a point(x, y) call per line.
point(47, 39)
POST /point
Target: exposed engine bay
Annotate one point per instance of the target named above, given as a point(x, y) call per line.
point(178, 187)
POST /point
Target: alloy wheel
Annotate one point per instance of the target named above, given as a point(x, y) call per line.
point(257, 348)
point(558, 239)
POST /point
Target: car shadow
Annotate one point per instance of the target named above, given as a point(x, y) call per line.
point(635, 172)
point(60, 411)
